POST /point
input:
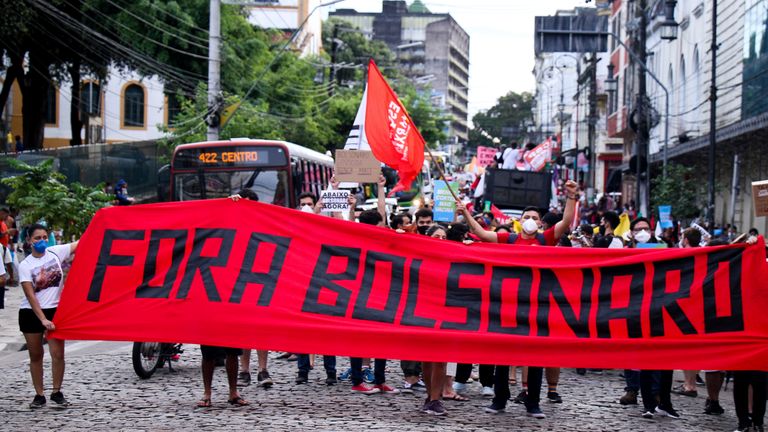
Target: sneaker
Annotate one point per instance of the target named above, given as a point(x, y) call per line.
point(302, 378)
point(459, 387)
point(648, 415)
point(487, 391)
point(758, 428)
point(37, 402)
point(330, 378)
point(521, 397)
point(244, 379)
point(495, 408)
point(365, 388)
point(743, 428)
point(59, 399)
point(713, 407)
point(418, 386)
point(667, 411)
point(175, 357)
point(384, 388)
point(554, 397)
point(629, 398)
point(699, 381)
point(264, 380)
point(536, 413)
point(368, 375)
point(596, 371)
point(346, 375)
point(581, 371)
point(435, 407)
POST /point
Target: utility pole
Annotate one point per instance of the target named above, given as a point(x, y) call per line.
point(592, 124)
point(334, 54)
point(214, 76)
point(712, 120)
point(641, 140)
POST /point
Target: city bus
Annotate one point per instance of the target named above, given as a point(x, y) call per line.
point(278, 171)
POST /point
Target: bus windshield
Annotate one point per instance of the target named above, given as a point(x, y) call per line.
point(270, 184)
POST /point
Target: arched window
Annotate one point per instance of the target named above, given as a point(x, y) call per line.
point(682, 99)
point(90, 98)
point(133, 106)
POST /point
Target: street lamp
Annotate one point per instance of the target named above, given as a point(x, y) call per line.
point(669, 26)
point(611, 83)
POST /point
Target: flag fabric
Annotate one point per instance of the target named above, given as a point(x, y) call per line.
point(623, 225)
point(390, 131)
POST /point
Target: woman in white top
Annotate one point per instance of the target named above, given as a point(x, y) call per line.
point(42, 277)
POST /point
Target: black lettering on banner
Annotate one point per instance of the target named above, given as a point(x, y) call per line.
point(631, 313)
point(550, 289)
point(395, 292)
point(734, 321)
point(409, 314)
point(198, 263)
point(524, 275)
point(322, 279)
point(661, 300)
point(179, 238)
point(469, 298)
point(267, 280)
point(106, 259)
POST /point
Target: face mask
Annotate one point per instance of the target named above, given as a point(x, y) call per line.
point(530, 226)
point(422, 229)
point(125, 191)
point(307, 209)
point(40, 246)
point(643, 236)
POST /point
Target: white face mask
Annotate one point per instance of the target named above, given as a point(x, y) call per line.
point(643, 236)
point(307, 209)
point(530, 226)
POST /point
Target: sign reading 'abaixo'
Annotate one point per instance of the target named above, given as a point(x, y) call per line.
point(247, 274)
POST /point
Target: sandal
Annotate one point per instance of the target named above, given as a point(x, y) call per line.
point(456, 397)
point(238, 401)
point(204, 403)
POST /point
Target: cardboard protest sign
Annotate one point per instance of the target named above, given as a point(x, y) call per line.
point(335, 200)
point(760, 197)
point(485, 155)
point(357, 166)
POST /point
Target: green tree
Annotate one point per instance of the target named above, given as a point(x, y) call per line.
point(680, 189)
point(512, 110)
point(40, 193)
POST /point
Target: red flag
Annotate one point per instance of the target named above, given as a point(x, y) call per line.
point(393, 137)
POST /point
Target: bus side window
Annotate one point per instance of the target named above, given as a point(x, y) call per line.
point(297, 179)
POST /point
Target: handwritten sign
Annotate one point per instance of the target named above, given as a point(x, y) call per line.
point(335, 200)
point(485, 155)
point(760, 197)
point(357, 166)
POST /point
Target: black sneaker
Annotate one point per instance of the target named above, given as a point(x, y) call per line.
point(713, 408)
point(37, 402)
point(757, 428)
point(581, 371)
point(743, 428)
point(535, 413)
point(554, 397)
point(59, 399)
point(667, 411)
point(700, 381)
point(521, 398)
point(264, 380)
point(495, 408)
point(243, 379)
point(302, 377)
point(647, 414)
point(331, 378)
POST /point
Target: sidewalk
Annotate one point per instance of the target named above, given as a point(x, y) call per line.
point(11, 338)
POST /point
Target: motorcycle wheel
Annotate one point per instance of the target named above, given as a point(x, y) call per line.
point(146, 358)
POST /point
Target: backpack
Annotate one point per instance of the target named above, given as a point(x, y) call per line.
point(539, 238)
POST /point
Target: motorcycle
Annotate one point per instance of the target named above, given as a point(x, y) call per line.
point(149, 356)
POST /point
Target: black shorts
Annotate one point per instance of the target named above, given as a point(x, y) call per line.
point(30, 323)
point(214, 352)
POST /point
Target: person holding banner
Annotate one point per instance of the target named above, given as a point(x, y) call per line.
point(42, 278)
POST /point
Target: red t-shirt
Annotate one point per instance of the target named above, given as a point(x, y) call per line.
point(549, 238)
point(4, 235)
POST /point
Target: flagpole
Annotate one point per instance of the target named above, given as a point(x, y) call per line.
point(442, 174)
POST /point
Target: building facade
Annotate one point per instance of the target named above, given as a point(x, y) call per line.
point(431, 48)
point(288, 15)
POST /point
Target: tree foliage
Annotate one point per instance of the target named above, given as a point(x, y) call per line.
point(680, 189)
point(512, 110)
point(40, 193)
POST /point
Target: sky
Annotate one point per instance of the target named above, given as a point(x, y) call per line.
point(501, 41)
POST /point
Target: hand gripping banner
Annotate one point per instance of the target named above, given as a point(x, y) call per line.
point(246, 274)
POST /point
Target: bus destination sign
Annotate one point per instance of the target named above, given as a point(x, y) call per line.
point(230, 156)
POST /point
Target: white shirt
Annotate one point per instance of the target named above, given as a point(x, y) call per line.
point(46, 275)
point(510, 158)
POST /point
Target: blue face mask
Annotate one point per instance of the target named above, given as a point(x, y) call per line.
point(40, 246)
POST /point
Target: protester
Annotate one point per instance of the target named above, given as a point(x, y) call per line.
point(42, 277)
point(210, 355)
point(121, 194)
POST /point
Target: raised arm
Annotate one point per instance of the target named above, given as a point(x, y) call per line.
point(474, 226)
point(382, 199)
point(571, 198)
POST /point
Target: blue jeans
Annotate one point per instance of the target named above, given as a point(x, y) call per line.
point(356, 364)
point(632, 378)
point(329, 362)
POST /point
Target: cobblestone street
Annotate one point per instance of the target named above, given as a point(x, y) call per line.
point(106, 394)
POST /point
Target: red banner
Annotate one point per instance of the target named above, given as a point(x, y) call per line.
point(248, 274)
point(393, 137)
point(540, 155)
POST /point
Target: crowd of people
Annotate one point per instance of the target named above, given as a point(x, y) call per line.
point(41, 277)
